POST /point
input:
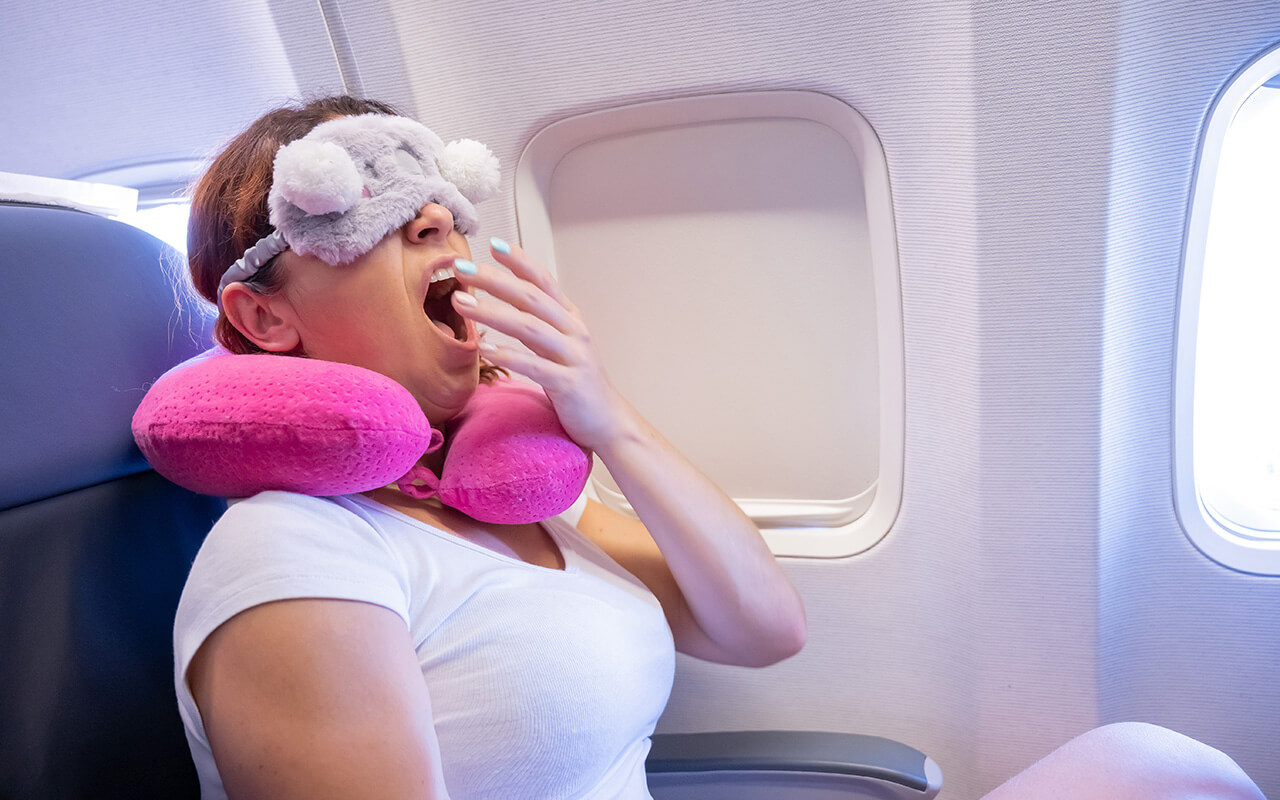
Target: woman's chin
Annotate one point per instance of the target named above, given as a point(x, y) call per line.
point(446, 399)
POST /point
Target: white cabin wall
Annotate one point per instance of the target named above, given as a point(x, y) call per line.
point(1044, 73)
point(1184, 641)
point(973, 630)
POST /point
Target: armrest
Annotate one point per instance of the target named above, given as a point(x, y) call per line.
point(812, 753)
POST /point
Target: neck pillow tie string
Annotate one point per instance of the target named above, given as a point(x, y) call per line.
point(419, 483)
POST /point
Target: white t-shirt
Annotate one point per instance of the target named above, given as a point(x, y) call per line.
point(544, 683)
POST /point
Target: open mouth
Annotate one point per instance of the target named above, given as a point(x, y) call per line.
point(439, 308)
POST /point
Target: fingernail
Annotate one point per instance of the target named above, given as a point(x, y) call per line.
point(465, 299)
point(500, 246)
point(464, 266)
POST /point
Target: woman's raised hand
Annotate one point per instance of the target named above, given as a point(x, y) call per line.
point(528, 305)
point(723, 593)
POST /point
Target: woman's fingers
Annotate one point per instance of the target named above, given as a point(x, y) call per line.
point(521, 265)
point(529, 328)
point(540, 370)
point(521, 294)
point(526, 304)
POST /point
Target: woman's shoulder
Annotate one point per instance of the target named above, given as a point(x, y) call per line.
point(279, 545)
point(280, 505)
point(287, 519)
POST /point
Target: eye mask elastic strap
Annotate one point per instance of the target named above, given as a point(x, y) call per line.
point(254, 259)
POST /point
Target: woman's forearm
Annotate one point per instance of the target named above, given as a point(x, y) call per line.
point(733, 586)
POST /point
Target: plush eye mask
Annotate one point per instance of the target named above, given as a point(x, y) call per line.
point(235, 425)
point(352, 180)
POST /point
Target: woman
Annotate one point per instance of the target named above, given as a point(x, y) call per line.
point(545, 664)
point(380, 646)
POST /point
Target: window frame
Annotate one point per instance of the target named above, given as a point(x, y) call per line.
point(800, 528)
point(1222, 541)
point(158, 183)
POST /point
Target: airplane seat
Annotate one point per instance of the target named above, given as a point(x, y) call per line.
point(94, 546)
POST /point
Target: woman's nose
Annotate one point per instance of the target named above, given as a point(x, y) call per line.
point(433, 221)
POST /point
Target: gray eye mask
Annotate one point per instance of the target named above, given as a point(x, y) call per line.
point(337, 191)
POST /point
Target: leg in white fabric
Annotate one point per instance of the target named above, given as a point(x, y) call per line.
point(1131, 761)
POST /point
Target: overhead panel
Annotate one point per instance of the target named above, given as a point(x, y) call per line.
point(169, 82)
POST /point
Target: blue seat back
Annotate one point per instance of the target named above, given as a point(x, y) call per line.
point(94, 546)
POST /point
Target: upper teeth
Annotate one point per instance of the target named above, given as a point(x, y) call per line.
point(443, 274)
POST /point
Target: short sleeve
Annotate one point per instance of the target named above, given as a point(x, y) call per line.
point(279, 546)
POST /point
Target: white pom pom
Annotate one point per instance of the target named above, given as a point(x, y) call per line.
point(471, 167)
point(317, 177)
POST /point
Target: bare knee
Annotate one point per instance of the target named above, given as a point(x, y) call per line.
point(1161, 763)
point(1171, 764)
point(1132, 760)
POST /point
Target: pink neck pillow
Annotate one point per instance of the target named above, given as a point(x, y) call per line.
point(232, 426)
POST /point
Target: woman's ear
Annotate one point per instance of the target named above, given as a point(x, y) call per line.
point(265, 319)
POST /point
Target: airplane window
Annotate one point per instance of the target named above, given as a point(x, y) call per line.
point(1229, 338)
point(165, 221)
point(644, 212)
point(163, 206)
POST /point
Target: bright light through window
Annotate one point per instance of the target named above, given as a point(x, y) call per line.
point(1227, 381)
point(166, 221)
point(1237, 373)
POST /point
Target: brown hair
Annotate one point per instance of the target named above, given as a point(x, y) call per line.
point(229, 204)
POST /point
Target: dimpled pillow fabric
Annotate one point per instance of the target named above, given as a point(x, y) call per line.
point(510, 461)
point(235, 425)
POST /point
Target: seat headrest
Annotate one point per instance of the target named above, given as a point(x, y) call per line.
point(89, 319)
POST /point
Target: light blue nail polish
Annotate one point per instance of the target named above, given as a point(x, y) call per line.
point(500, 246)
point(464, 266)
